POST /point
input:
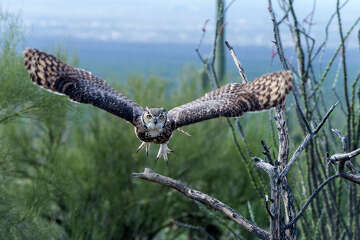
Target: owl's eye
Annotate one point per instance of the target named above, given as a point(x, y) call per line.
point(148, 116)
point(161, 117)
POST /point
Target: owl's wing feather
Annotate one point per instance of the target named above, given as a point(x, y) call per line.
point(234, 99)
point(79, 85)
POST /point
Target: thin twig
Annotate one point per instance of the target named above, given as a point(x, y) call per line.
point(341, 136)
point(203, 30)
point(266, 152)
point(344, 144)
point(267, 206)
point(229, 5)
point(237, 62)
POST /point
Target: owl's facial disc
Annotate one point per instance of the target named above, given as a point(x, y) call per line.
point(154, 118)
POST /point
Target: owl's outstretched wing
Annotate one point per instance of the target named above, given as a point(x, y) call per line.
point(234, 99)
point(79, 85)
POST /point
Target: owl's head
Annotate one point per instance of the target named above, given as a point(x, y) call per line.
point(154, 118)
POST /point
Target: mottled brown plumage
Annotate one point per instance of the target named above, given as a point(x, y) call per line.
point(234, 99)
point(79, 85)
point(155, 125)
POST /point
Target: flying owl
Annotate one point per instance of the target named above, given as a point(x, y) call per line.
point(156, 125)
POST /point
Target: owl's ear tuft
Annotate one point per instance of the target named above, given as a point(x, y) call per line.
point(147, 109)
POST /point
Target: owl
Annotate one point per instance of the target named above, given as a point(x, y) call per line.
point(156, 125)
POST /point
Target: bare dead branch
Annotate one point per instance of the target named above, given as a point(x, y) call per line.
point(344, 156)
point(266, 152)
point(325, 118)
point(267, 206)
point(342, 137)
point(306, 142)
point(205, 199)
point(237, 62)
point(276, 189)
point(313, 195)
point(267, 167)
point(283, 136)
point(355, 178)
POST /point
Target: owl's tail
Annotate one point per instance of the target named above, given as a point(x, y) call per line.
point(46, 70)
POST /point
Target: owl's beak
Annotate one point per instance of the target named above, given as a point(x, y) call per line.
point(155, 121)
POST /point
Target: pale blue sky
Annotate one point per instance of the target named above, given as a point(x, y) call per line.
point(248, 22)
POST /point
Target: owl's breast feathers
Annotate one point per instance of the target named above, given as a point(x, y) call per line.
point(155, 136)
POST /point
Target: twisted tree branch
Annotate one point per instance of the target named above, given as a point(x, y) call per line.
point(343, 158)
point(205, 199)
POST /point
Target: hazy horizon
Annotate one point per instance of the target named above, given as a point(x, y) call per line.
point(170, 21)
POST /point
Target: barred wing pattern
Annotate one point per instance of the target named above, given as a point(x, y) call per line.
point(234, 99)
point(79, 85)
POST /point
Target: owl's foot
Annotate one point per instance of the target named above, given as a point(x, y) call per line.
point(147, 147)
point(163, 151)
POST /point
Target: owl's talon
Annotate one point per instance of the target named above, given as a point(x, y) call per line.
point(141, 146)
point(163, 151)
point(147, 147)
